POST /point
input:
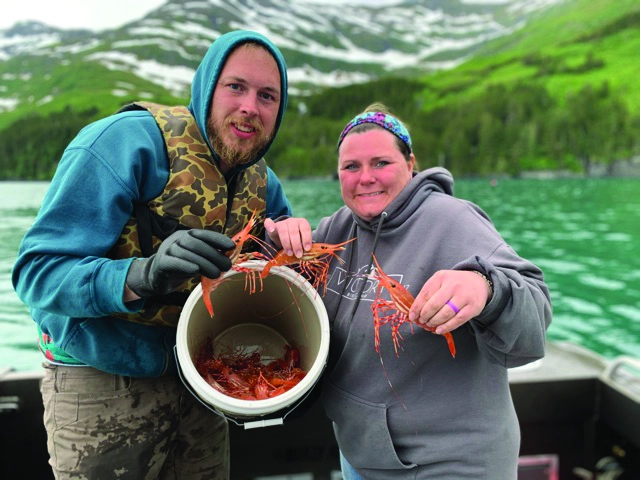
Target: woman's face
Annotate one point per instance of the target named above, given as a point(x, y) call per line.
point(372, 171)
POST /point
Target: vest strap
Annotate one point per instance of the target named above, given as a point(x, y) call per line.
point(143, 218)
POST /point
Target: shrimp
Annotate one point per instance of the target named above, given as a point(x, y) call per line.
point(314, 262)
point(400, 303)
point(243, 375)
point(236, 256)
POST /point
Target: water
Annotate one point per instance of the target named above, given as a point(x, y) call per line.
point(584, 234)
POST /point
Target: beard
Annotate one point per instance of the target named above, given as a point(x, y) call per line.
point(240, 150)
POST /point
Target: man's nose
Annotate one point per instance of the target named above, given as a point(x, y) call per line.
point(249, 105)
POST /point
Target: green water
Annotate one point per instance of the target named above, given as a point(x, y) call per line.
point(584, 234)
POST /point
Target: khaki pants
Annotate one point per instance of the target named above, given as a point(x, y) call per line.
point(103, 426)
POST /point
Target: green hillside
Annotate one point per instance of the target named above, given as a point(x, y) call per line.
point(560, 94)
point(54, 86)
point(577, 43)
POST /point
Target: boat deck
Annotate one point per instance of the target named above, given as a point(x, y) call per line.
point(574, 409)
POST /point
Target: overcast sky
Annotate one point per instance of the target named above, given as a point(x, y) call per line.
point(106, 14)
point(91, 14)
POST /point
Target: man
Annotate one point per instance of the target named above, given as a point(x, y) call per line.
point(142, 204)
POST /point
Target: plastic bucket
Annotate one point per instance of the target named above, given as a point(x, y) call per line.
point(285, 309)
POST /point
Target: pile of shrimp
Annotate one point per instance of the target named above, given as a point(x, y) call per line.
point(246, 376)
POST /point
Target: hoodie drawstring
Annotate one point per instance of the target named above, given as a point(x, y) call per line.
point(355, 304)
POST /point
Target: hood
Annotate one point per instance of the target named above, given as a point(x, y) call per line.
point(422, 185)
point(206, 79)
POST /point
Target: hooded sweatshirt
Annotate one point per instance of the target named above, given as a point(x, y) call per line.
point(62, 272)
point(423, 414)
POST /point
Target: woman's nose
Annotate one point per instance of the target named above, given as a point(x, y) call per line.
point(366, 176)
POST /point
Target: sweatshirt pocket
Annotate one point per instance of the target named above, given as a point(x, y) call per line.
point(361, 430)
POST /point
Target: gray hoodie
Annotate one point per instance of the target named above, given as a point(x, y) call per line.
point(424, 414)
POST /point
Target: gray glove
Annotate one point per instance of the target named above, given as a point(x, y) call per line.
point(183, 255)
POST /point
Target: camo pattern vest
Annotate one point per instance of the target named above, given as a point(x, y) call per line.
point(196, 196)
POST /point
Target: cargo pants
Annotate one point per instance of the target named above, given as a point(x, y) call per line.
point(104, 426)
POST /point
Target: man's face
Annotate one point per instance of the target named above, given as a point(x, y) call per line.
point(244, 107)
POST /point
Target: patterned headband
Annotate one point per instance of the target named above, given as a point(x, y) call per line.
point(386, 121)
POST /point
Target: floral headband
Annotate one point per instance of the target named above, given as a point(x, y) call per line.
point(386, 121)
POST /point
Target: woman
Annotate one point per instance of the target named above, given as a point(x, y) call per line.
point(421, 413)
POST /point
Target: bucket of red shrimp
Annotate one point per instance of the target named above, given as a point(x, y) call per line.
point(262, 351)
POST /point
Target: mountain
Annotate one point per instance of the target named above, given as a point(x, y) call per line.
point(488, 87)
point(326, 43)
point(575, 44)
point(558, 96)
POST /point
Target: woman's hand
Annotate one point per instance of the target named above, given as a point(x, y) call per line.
point(293, 235)
point(449, 299)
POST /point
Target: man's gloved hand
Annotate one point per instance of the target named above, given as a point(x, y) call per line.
point(183, 255)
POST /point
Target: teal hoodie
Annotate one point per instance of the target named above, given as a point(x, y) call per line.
point(62, 273)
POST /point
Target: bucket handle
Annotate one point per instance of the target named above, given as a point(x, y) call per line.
point(247, 425)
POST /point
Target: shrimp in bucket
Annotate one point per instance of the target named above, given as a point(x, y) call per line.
point(279, 332)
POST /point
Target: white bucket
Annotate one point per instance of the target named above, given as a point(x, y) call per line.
point(286, 310)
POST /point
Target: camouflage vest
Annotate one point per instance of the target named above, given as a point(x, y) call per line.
point(196, 196)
